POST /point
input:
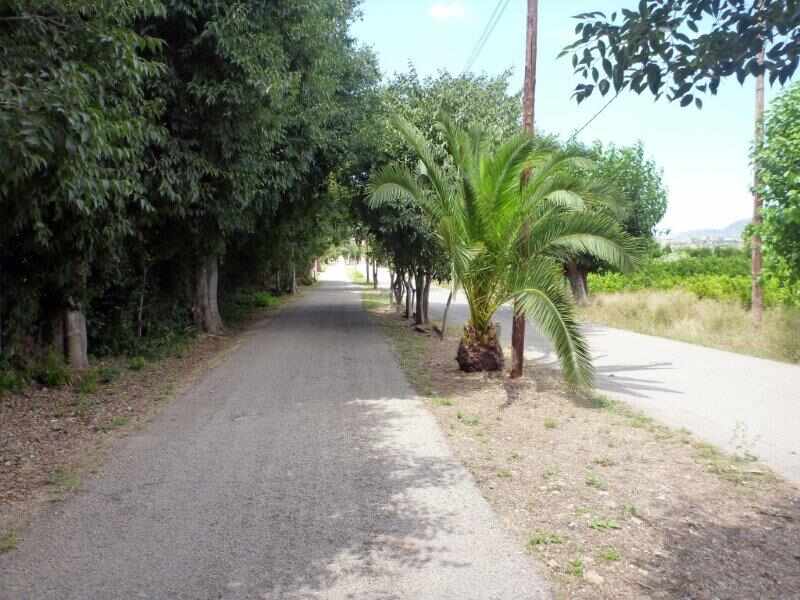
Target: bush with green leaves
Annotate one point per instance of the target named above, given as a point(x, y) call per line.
point(778, 161)
point(722, 274)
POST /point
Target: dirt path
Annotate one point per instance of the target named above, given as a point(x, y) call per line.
point(301, 467)
point(743, 404)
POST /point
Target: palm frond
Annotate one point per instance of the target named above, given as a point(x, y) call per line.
point(545, 300)
point(581, 232)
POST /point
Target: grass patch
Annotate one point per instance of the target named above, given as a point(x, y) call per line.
point(356, 275)
point(137, 363)
point(108, 374)
point(442, 402)
point(8, 542)
point(64, 480)
point(89, 381)
point(544, 538)
point(681, 315)
point(576, 567)
point(599, 524)
point(467, 420)
point(118, 421)
point(610, 554)
point(52, 371)
point(504, 474)
point(550, 423)
point(593, 480)
point(264, 300)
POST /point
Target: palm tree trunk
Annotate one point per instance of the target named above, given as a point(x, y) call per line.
point(443, 332)
point(577, 282)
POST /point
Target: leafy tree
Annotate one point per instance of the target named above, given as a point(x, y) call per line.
point(684, 48)
point(631, 191)
point(778, 160)
point(151, 149)
point(401, 228)
point(74, 122)
point(506, 219)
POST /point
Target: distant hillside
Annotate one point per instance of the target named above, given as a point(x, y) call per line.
point(734, 230)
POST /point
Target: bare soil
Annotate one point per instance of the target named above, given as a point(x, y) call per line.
point(613, 504)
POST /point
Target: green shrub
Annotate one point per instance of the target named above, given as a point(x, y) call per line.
point(264, 300)
point(108, 374)
point(12, 379)
point(51, 370)
point(718, 274)
point(136, 363)
point(88, 383)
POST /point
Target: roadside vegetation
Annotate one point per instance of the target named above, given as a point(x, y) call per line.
point(163, 159)
point(700, 296)
point(613, 504)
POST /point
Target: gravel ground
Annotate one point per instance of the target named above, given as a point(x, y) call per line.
point(743, 404)
point(302, 466)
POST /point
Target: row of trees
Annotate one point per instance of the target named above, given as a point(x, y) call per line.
point(157, 153)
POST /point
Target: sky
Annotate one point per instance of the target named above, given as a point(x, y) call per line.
point(704, 153)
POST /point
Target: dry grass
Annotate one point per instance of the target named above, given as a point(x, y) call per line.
point(682, 316)
point(613, 504)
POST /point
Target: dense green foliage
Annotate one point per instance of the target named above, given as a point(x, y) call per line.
point(687, 46)
point(778, 161)
point(506, 217)
point(723, 274)
point(399, 231)
point(153, 151)
point(636, 183)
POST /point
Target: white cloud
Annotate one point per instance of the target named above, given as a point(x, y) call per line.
point(443, 11)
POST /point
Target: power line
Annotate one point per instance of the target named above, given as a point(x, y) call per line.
point(592, 118)
point(495, 17)
point(483, 34)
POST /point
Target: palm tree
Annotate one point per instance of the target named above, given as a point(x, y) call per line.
point(508, 219)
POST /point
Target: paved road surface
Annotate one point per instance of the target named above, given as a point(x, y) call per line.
point(302, 467)
point(740, 403)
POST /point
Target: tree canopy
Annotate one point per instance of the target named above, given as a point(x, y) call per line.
point(778, 160)
point(147, 147)
point(684, 48)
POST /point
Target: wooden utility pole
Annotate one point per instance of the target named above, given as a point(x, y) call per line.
point(528, 104)
point(757, 304)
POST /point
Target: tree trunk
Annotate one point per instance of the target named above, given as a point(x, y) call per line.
point(426, 295)
point(444, 316)
point(478, 352)
point(76, 345)
point(420, 288)
point(294, 279)
point(528, 124)
point(375, 273)
point(757, 301)
point(206, 309)
point(576, 282)
point(366, 263)
point(517, 344)
point(409, 296)
point(140, 311)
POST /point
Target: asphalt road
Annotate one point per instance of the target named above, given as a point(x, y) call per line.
point(740, 403)
point(300, 467)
